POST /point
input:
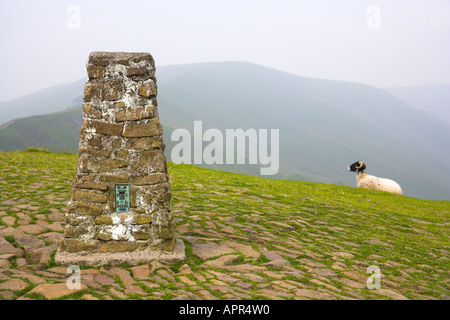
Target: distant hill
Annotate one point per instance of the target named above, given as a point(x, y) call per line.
point(59, 132)
point(325, 125)
point(53, 99)
point(434, 99)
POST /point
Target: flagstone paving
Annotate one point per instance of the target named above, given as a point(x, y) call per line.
point(239, 245)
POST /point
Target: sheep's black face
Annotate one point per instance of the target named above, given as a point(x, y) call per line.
point(357, 167)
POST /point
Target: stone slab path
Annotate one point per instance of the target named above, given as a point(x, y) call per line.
point(231, 254)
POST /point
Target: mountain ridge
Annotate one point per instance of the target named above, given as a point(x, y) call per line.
point(431, 98)
point(324, 124)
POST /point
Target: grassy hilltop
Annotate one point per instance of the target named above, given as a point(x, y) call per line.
point(246, 238)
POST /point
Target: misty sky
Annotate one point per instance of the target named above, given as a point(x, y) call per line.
point(383, 43)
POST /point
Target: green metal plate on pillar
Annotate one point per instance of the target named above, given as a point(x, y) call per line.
point(122, 197)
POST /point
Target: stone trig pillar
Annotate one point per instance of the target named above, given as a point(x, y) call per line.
point(120, 209)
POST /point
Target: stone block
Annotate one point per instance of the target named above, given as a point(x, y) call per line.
point(103, 220)
point(114, 178)
point(110, 129)
point(104, 236)
point(147, 90)
point(144, 143)
point(91, 112)
point(94, 152)
point(152, 161)
point(137, 71)
point(89, 185)
point(95, 72)
point(91, 196)
point(169, 245)
point(75, 245)
point(136, 130)
point(82, 208)
point(142, 220)
point(150, 179)
point(109, 165)
point(136, 113)
point(118, 246)
point(141, 235)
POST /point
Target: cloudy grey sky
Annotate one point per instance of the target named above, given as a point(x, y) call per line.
point(378, 42)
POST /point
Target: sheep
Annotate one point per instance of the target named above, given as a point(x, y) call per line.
point(363, 180)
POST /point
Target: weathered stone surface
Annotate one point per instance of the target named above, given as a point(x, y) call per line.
point(114, 178)
point(152, 161)
point(13, 285)
point(112, 90)
point(73, 221)
point(95, 72)
point(123, 153)
point(91, 112)
point(247, 250)
point(245, 268)
point(94, 152)
point(142, 219)
point(9, 220)
point(223, 261)
point(314, 294)
point(32, 229)
point(82, 208)
point(147, 90)
point(109, 165)
point(118, 246)
point(345, 255)
point(90, 185)
point(391, 294)
point(95, 126)
point(56, 290)
point(136, 113)
point(150, 179)
point(123, 274)
point(100, 58)
point(4, 264)
point(141, 272)
point(29, 242)
point(106, 91)
point(74, 232)
point(324, 272)
point(144, 143)
point(104, 236)
point(42, 255)
point(149, 129)
point(141, 235)
point(8, 248)
point(104, 279)
point(166, 232)
point(103, 220)
point(91, 90)
point(169, 244)
point(75, 245)
point(210, 249)
point(91, 196)
point(137, 71)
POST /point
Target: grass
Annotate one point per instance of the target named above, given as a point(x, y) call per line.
point(309, 221)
